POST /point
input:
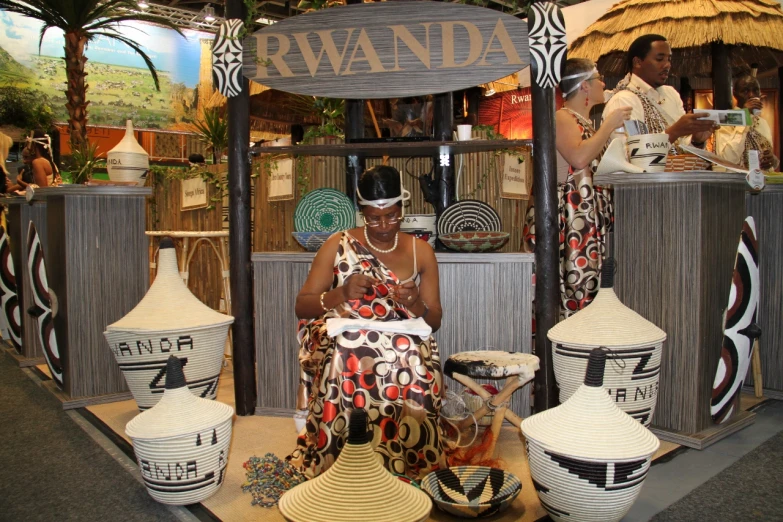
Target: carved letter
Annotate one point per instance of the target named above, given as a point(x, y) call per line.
point(476, 44)
point(506, 46)
point(422, 53)
point(327, 44)
point(262, 46)
point(370, 56)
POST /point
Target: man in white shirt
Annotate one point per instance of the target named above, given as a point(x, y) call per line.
point(658, 105)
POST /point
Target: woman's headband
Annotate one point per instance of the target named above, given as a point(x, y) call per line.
point(46, 140)
point(385, 203)
point(582, 75)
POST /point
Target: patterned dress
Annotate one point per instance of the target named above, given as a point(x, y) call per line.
point(395, 377)
point(585, 217)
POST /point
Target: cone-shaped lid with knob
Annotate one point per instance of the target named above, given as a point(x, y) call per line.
point(589, 424)
point(168, 305)
point(178, 412)
point(606, 321)
point(356, 488)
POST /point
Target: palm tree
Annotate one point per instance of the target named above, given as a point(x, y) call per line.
point(82, 21)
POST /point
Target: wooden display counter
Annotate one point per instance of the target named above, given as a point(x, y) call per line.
point(20, 214)
point(675, 241)
point(766, 208)
point(486, 301)
point(97, 266)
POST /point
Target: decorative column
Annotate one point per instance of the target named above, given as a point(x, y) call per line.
point(546, 32)
point(443, 123)
point(227, 65)
point(354, 128)
point(721, 77)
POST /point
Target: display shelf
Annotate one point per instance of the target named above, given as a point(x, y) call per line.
point(396, 149)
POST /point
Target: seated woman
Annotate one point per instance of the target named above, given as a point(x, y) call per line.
point(733, 143)
point(585, 211)
point(379, 274)
point(44, 170)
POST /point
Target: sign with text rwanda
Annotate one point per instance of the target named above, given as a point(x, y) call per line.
point(387, 50)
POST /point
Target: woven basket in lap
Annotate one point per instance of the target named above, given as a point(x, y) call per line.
point(182, 443)
point(356, 488)
point(685, 163)
point(169, 320)
point(635, 346)
point(588, 459)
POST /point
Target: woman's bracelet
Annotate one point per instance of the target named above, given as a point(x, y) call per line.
point(321, 299)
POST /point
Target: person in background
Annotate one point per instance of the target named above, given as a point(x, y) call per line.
point(196, 160)
point(44, 170)
point(377, 274)
point(733, 143)
point(585, 211)
point(24, 175)
point(653, 102)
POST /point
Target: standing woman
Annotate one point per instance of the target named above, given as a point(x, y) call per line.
point(585, 211)
point(382, 276)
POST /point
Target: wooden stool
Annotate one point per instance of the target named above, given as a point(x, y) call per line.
point(517, 368)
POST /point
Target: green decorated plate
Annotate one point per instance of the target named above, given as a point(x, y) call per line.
point(324, 210)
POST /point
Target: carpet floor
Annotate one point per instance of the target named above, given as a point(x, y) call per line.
point(51, 470)
point(750, 489)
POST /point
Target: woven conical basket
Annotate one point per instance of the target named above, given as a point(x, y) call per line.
point(181, 443)
point(356, 488)
point(128, 161)
point(169, 320)
point(635, 346)
point(587, 457)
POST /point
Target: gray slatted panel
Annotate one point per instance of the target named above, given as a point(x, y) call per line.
point(97, 264)
point(475, 293)
point(675, 244)
point(766, 211)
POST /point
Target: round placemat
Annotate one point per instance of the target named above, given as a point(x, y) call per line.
point(469, 215)
point(324, 210)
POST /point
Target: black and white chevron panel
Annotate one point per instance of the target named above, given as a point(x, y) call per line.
point(547, 37)
point(227, 58)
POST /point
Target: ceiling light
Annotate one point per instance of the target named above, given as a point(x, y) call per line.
point(142, 4)
point(489, 92)
point(209, 13)
point(265, 21)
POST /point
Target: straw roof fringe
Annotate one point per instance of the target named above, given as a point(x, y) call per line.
point(756, 26)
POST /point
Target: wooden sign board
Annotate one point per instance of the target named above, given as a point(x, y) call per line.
point(281, 181)
point(194, 194)
point(387, 50)
point(515, 183)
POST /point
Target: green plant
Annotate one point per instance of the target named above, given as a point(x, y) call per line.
point(491, 165)
point(83, 21)
point(212, 129)
point(317, 5)
point(162, 176)
point(83, 162)
point(332, 114)
point(25, 108)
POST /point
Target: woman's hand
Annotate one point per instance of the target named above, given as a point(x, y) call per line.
point(753, 103)
point(616, 118)
point(406, 294)
point(357, 286)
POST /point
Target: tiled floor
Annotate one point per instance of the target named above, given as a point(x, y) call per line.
point(669, 481)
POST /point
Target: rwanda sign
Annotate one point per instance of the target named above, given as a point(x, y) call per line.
point(387, 50)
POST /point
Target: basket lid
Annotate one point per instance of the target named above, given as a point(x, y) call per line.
point(607, 321)
point(178, 412)
point(589, 424)
point(357, 475)
point(168, 304)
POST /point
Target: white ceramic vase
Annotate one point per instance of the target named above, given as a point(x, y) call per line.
point(128, 161)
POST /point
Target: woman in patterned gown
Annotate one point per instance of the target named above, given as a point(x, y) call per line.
point(585, 211)
point(379, 274)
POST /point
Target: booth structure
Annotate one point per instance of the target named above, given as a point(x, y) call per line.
point(95, 253)
point(675, 241)
point(488, 298)
point(765, 208)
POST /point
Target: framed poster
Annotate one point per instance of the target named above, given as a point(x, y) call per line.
point(280, 180)
point(194, 194)
point(515, 177)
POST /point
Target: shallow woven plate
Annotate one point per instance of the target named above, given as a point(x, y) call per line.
point(474, 241)
point(311, 241)
point(468, 215)
point(324, 210)
point(472, 491)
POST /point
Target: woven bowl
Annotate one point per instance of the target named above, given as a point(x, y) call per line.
point(472, 491)
point(311, 241)
point(478, 241)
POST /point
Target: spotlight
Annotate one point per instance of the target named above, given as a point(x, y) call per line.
point(489, 92)
point(209, 13)
point(142, 4)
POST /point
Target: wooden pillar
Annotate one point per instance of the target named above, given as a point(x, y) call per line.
point(239, 239)
point(443, 123)
point(354, 128)
point(721, 76)
point(780, 110)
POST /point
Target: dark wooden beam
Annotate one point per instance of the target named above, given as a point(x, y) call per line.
point(443, 116)
point(244, 344)
point(721, 76)
point(354, 128)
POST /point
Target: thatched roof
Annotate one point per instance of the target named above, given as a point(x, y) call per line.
point(755, 27)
